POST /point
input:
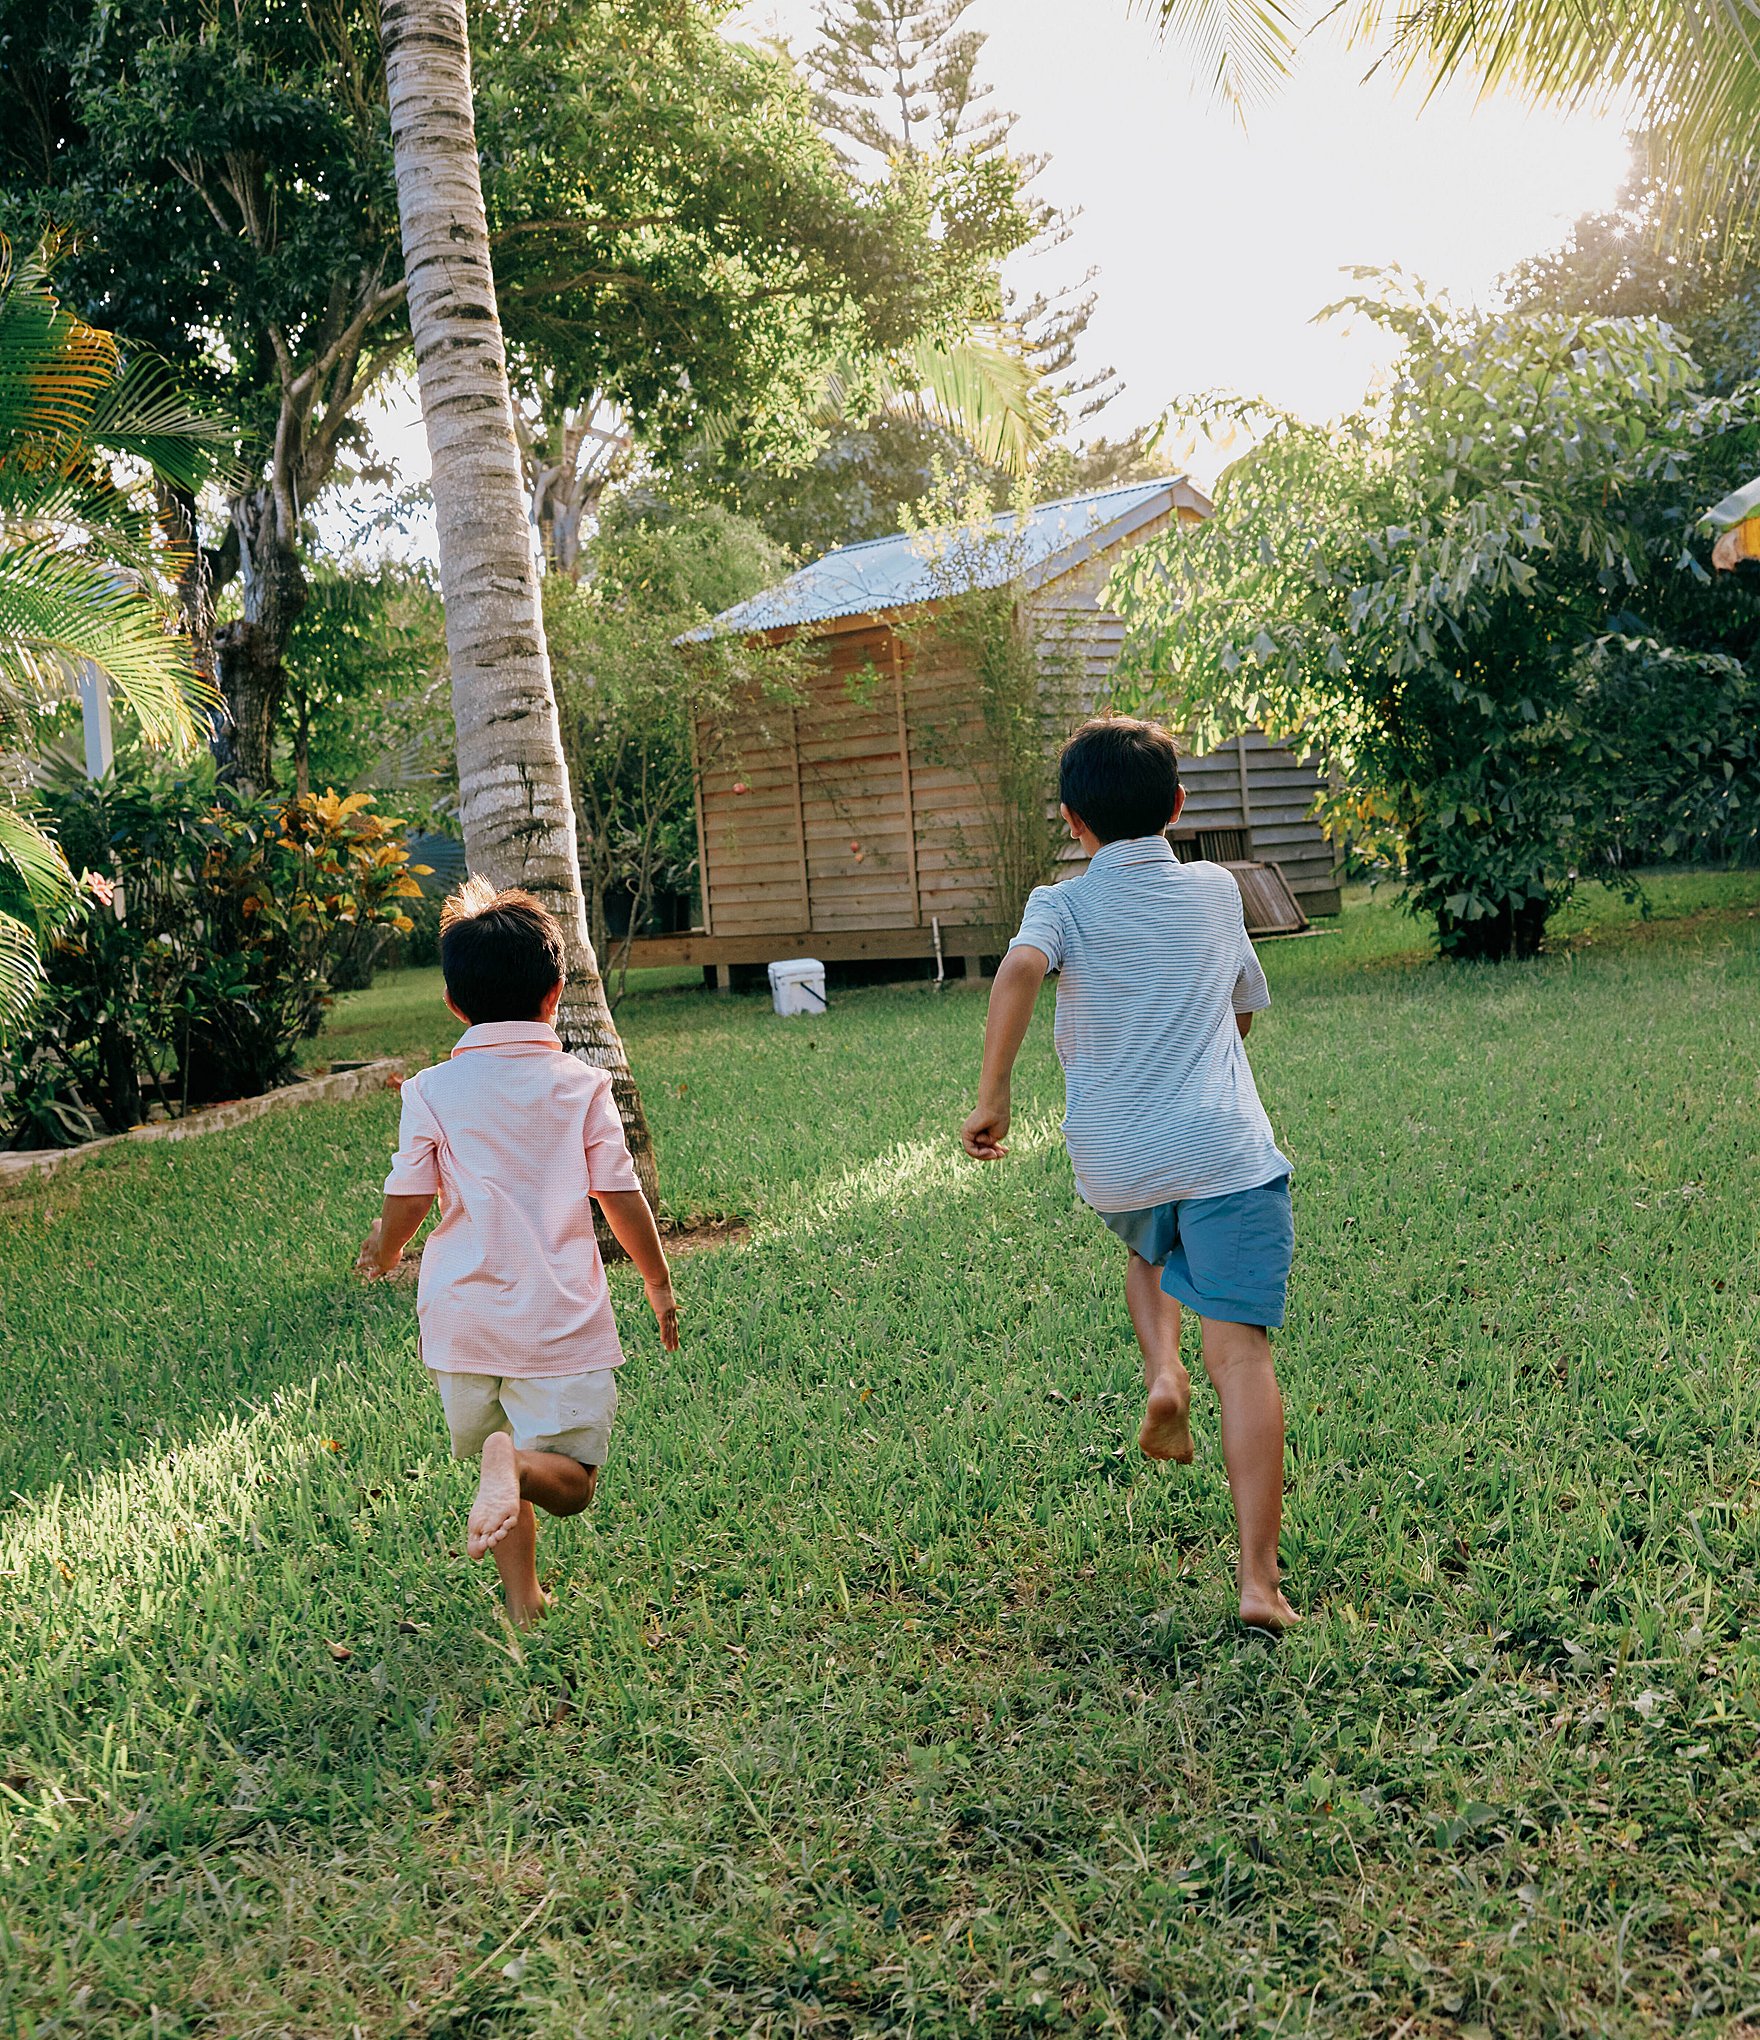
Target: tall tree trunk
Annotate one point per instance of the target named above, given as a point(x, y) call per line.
point(515, 804)
point(251, 651)
point(200, 570)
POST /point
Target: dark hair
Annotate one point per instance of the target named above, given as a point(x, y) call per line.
point(500, 952)
point(1120, 776)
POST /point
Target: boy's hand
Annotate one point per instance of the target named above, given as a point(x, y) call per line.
point(372, 1264)
point(1018, 978)
point(400, 1218)
point(985, 1131)
point(665, 1308)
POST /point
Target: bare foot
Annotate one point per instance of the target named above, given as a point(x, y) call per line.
point(1262, 1610)
point(1167, 1431)
point(496, 1509)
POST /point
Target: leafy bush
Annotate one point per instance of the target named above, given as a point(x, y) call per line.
point(1472, 597)
point(1677, 733)
point(211, 927)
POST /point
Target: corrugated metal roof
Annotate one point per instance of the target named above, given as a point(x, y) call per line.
point(892, 573)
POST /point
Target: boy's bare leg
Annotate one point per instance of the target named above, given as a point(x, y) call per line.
point(516, 1560)
point(502, 1520)
point(1166, 1432)
point(1237, 1359)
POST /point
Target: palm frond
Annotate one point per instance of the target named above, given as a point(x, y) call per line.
point(40, 891)
point(1687, 69)
point(61, 610)
point(21, 972)
point(83, 509)
point(35, 861)
point(66, 392)
point(1245, 46)
point(981, 389)
point(144, 414)
point(54, 370)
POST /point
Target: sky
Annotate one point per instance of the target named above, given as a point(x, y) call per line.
point(1215, 244)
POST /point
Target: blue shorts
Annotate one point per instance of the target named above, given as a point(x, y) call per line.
point(1224, 1257)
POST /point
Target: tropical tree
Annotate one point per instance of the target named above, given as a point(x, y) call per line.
point(1481, 599)
point(84, 580)
point(228, 180)
point(673, 234)
point(515, 804)
point(899, 93)
point(367, 687)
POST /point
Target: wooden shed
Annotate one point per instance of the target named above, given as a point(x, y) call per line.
point(843, 824)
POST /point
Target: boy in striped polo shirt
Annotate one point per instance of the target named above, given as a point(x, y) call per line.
point(1157, 987)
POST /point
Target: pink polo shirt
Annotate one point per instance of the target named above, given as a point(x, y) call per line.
point(514, 1134)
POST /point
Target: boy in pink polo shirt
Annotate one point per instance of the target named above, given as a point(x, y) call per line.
point(517, 1138)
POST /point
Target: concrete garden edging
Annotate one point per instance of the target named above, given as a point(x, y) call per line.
point(347, 1080)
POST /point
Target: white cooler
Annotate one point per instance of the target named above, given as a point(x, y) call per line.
point(797, 986)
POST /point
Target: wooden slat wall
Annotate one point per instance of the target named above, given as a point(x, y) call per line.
point(953, 835)
point(840, 828)
point(753, 877)
point(858, 856)
point(1280, 787)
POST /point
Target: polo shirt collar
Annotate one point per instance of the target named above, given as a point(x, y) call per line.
point(508, 1034)
point(1133, 850)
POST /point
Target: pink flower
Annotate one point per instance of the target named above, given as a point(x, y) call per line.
point(102, 889)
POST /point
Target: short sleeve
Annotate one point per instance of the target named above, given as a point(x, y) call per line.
point(415, 1170)
point(1042, 925)
point(1251, 993)
point(609, 1166)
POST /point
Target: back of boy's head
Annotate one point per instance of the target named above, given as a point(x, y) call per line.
point(500, 952)
point(1120, 776)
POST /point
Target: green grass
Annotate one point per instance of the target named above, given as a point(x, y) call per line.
point(889, 1691)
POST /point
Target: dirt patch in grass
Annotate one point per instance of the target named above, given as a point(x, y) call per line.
point(1658, 926)
point(697, 1230)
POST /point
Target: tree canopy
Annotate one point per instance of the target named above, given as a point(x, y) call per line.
point(670, 227)
point(1463, 594)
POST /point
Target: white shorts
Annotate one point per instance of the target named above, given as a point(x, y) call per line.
point(567, 1413)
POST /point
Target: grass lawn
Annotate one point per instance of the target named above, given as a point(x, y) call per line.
point(889, 1691)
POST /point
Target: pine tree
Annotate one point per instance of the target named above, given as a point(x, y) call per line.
point(893, 76)
point(899, 79)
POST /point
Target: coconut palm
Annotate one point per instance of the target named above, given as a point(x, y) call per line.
point(515, 804)
point(1687, 69)
point(83, 574)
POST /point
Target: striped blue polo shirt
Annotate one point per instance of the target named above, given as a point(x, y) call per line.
point(1153, 964)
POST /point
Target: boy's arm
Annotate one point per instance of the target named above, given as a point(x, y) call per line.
point(399, 1221)
point(1012, 998)
point(1244, 1021)
point(632, 1225)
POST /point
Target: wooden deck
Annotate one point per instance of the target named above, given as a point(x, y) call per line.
point(961, 947)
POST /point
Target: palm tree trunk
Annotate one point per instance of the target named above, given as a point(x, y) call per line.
point(515, 803)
